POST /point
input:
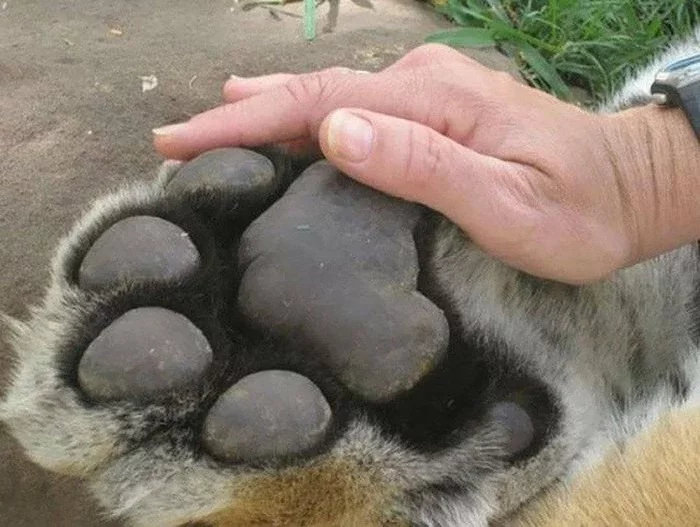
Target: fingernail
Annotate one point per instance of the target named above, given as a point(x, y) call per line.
point(350, 70)
point(350, 137)
point(169, 129)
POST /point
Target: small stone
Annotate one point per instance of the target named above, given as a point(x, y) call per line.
point(138, 248)
point(517, 422)
point(236, 172)
point(145, 352)
point(267, 414)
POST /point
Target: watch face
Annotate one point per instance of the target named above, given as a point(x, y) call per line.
point(681, 72)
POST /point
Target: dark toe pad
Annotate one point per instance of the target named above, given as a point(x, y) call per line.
point(271, 413)
point(235, 175)
point(145, 352)
point(140, 248)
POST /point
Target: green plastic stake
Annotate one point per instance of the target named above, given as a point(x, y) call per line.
point(310, 19)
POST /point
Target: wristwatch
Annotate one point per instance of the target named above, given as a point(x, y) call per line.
point(678, 85)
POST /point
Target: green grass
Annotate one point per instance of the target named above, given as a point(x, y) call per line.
point(589, 44)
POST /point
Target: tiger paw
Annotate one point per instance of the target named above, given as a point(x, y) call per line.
point(216, 347)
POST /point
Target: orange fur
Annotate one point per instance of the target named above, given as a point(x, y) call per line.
point(653, 481)
point(327, 493)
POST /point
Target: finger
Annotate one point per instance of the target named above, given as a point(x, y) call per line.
point(505, 208)
point(237, 88)
point(414, 162)
point(295, 110)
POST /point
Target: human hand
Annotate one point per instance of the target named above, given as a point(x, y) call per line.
point(541, 184)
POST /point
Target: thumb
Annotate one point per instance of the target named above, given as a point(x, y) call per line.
point(414, 162)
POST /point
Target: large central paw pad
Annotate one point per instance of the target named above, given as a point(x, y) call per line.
point(335, 264)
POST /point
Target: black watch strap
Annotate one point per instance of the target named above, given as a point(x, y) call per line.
point(686, 98)
point(678, 85)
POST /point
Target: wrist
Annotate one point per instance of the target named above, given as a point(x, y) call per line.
point(655, 156)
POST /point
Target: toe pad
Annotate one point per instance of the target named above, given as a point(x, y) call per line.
point(271, 413)
point(138, 248)
point(145, 352)
point(235, 172)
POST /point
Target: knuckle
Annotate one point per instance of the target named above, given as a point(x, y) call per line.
point(433, 156)
point(424, 55)
point(312, 87)
point(305, 89)
point(502, 79)
point(424, 159)
point(504, 76)
point(316, 87)
point(439, 54)
point(432, 51)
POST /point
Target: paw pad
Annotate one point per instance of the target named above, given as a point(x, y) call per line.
point(335, 264)
point(211, 342)
point(271, 413)
point(145, 352)
point(229, 182)
point(139, 248)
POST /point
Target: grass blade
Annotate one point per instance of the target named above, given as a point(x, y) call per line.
point(590, 44)
point(468, 37)
point(544, 70)
point(309, 19)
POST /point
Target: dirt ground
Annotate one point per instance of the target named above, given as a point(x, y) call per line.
point(75, 121)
